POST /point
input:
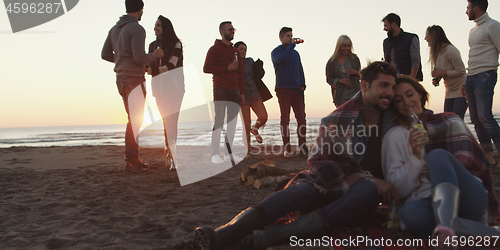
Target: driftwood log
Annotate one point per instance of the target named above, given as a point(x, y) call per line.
point(262, 174)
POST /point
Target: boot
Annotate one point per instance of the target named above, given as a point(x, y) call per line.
point(206, 238)
point(445, 205)
point(314, 224)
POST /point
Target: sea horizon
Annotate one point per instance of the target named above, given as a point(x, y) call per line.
point(151, 135)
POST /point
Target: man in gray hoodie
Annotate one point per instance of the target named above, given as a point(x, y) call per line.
point(124, 46)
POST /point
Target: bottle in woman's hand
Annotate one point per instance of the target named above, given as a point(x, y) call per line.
point(416, 123)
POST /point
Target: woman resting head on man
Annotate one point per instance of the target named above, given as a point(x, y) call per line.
point(445, 183)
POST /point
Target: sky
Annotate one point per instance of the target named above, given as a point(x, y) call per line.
point(53, 74)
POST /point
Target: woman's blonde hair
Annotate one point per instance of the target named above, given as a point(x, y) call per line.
point(438, 42)
point(342, 40)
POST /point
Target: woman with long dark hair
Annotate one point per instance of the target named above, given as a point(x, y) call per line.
point(168, 84)
point(342, 71)
point(445, 181)
point(446, 63)
point(254, 71)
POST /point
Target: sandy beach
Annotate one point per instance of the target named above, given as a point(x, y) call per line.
point(80, 198)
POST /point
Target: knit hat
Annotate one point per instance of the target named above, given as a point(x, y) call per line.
point(134, 5)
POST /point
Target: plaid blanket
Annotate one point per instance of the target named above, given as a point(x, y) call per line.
point(447, 131)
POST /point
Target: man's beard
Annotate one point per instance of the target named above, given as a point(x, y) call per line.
point(472, 16)
point(378, 107)
point(228, 37)
point(390, 32)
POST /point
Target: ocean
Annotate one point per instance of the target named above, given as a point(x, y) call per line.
point(151, 135)
point(189, 133)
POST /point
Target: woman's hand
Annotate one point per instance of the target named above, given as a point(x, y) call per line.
point(242, 102)
point(416, 145)
point(424, 172)
point(346, 82)
point(352, 72)
point(163, 69)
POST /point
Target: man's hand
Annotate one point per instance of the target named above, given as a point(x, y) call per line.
point(352, 72)
point(242, 99)
point(296, 40)
point(158, 53)
point(233, 66)
point(388, 192)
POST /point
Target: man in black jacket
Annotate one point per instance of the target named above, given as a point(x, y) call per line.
point(402, 48)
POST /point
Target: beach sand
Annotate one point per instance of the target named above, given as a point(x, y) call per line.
point(80, 198)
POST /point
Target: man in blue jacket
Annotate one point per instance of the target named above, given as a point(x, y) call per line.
point(290, 86)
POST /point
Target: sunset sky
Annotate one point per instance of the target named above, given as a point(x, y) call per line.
point(53, 75)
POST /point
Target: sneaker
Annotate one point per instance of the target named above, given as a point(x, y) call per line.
point(235, 158)
point(134, 167)
point(287, 154)
point(216, 159)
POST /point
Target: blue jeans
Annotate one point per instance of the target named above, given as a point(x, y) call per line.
point(418, 215)
point(456, 105)
point(353, 208)
point(293, 98)
point(480, 90)
point(225, 100)
point(125, 86)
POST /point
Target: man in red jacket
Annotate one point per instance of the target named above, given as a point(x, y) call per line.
point(229, 89)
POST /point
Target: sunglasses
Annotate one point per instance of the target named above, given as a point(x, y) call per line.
point(386, 68)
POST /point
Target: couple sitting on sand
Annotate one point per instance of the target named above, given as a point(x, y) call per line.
point(359, 144)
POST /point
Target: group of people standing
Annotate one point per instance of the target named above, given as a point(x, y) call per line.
point(237, 85)
point(367, 151)
point(463, 90)
point(237, 82)
point(124, 46)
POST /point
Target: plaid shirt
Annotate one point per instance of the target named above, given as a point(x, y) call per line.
point(333, 166)
point(447, 131)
